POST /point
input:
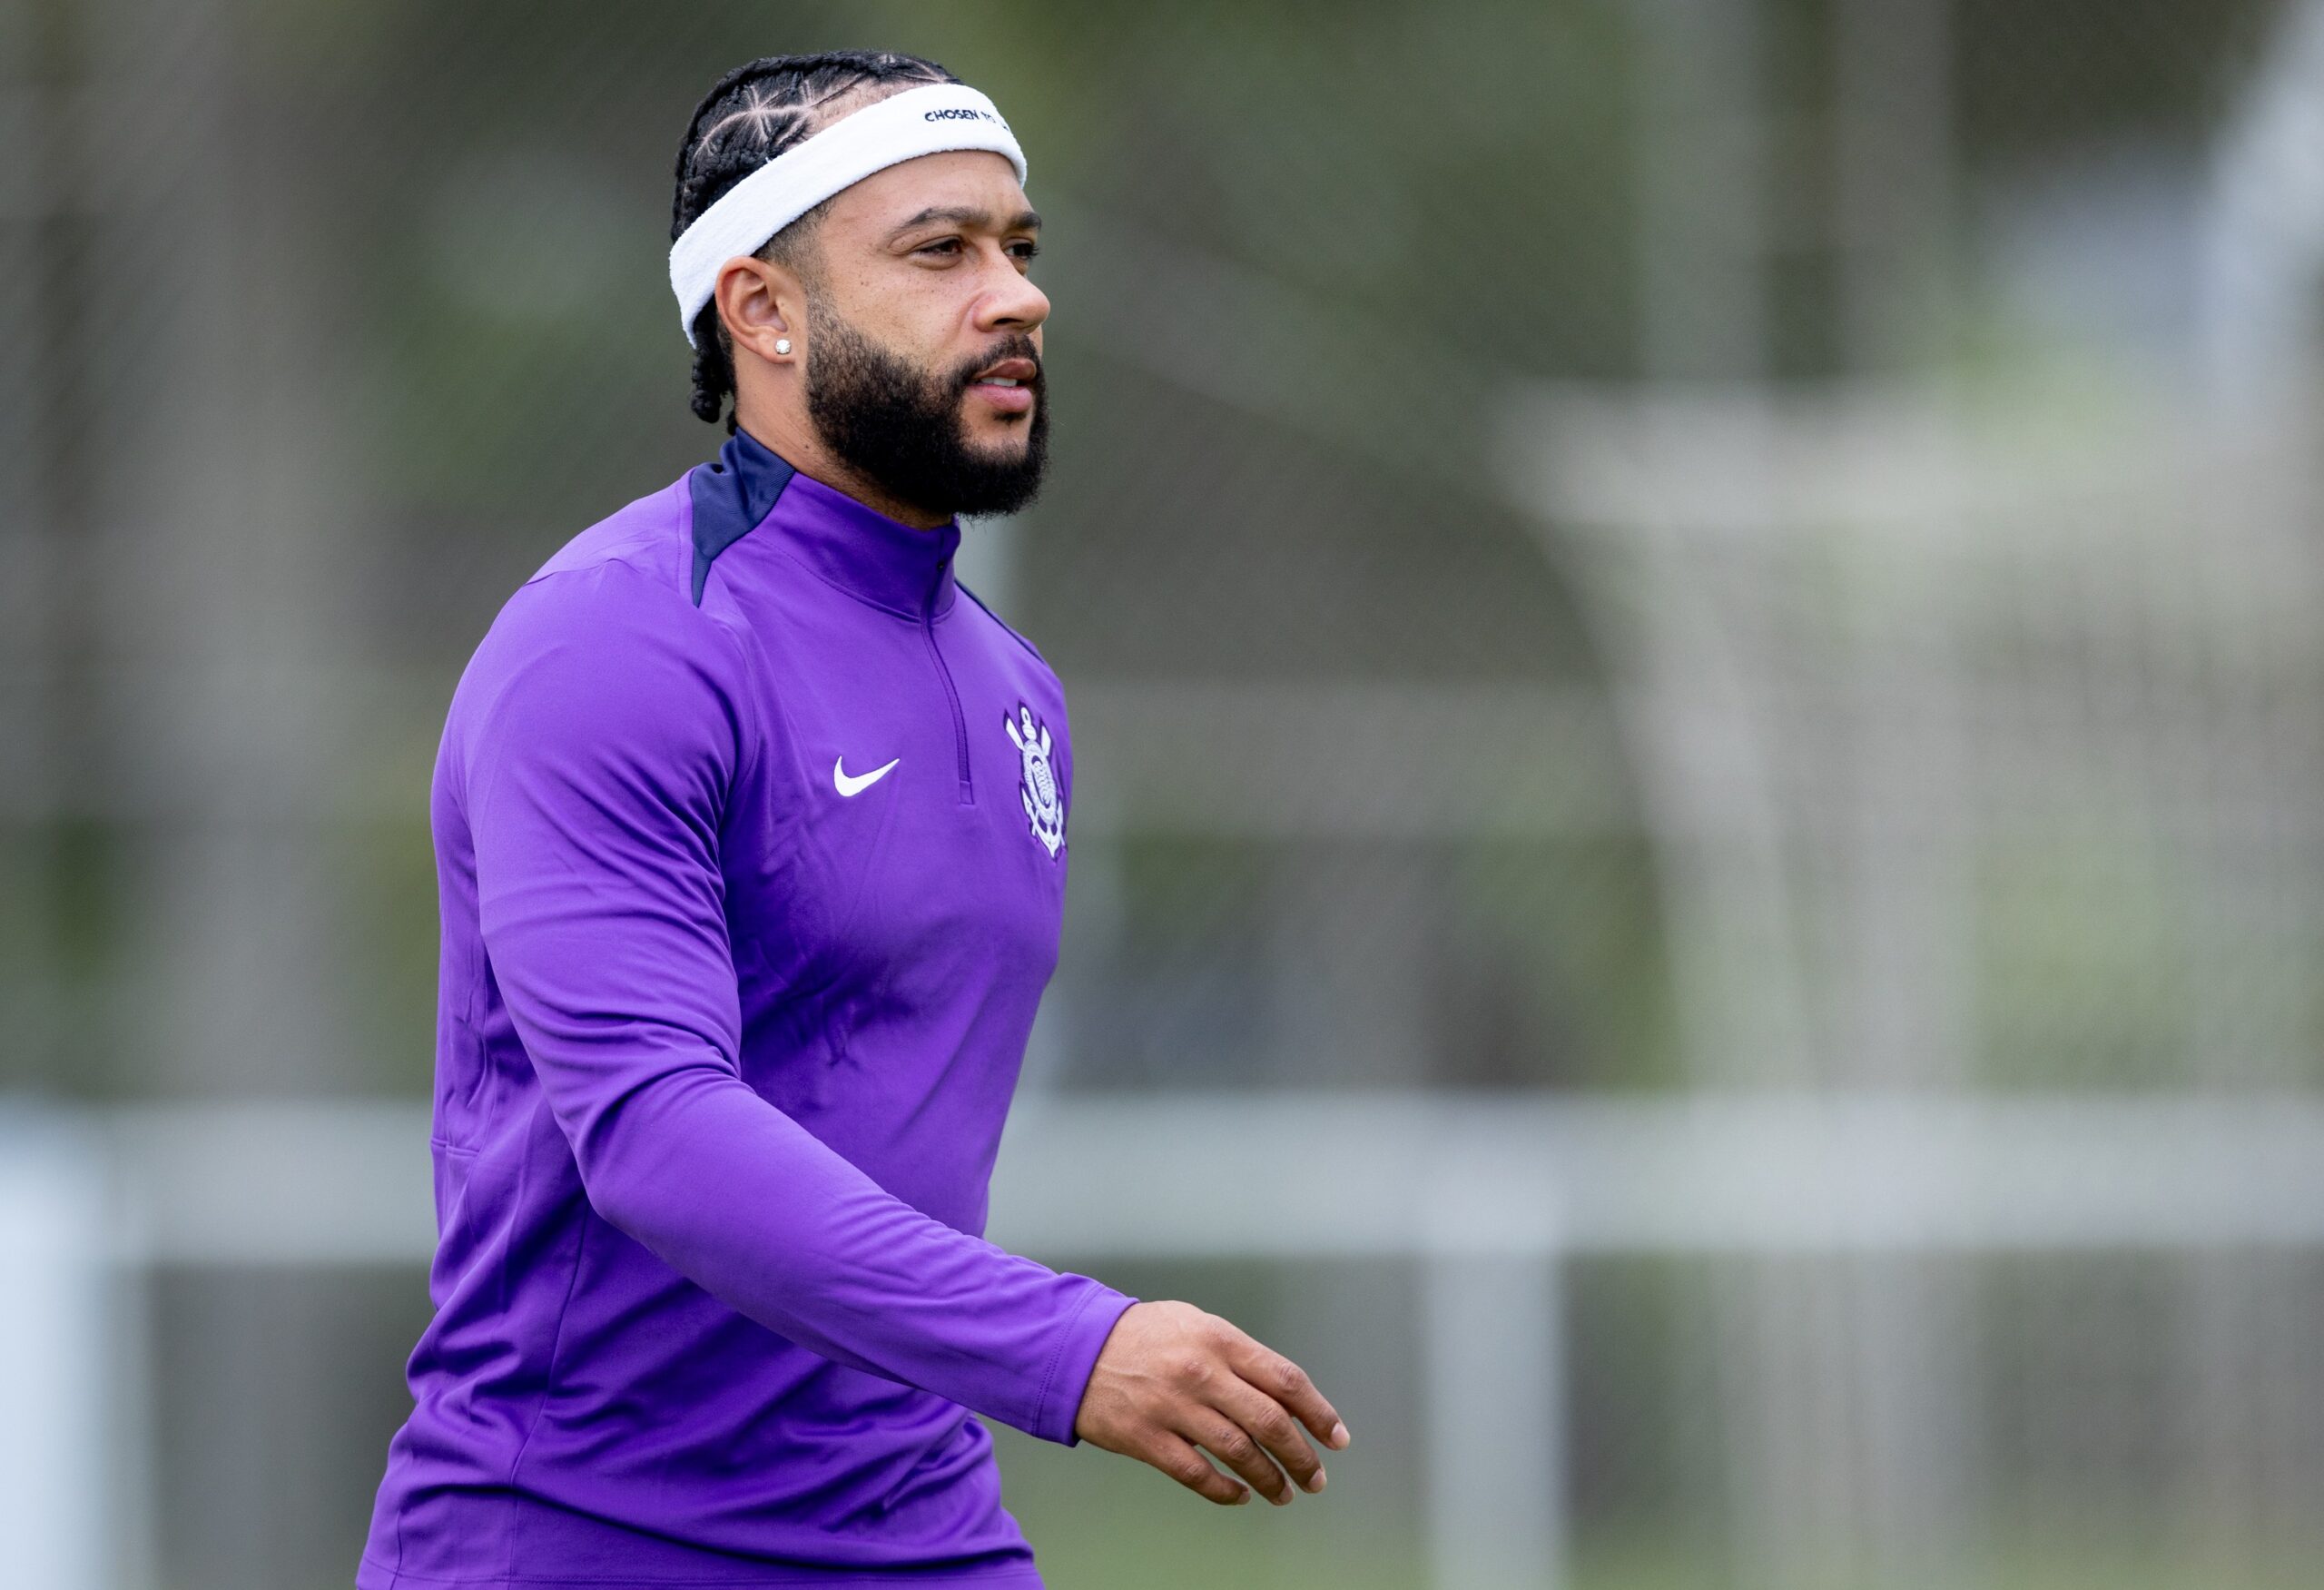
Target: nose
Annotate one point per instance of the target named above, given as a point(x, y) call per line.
point(1013, 303)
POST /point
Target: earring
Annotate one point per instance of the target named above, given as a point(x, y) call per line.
point(783, 344)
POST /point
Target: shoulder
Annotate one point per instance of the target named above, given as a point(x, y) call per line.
point(617, 585)
point(1030, 677)
point(976, 605)
point(601, 642)
point(1039, 692)
point(645, 535)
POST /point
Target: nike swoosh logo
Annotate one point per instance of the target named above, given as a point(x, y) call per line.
point(857, 784)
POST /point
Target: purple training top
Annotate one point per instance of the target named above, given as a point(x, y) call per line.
point(749, 831)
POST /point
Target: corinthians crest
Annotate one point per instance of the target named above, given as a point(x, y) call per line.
point(1037, 780)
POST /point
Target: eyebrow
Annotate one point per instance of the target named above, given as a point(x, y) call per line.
point(968, 215)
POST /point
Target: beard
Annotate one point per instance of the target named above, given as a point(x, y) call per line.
point(901, 427)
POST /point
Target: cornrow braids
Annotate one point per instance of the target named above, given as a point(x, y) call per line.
point(750, 115)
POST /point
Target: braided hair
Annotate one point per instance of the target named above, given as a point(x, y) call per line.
point(749, 116)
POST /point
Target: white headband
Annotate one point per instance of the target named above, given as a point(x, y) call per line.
point(903, 126)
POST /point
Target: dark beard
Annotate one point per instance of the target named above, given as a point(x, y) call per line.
point(903, 429)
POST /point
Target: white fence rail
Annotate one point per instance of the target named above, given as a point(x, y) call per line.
point(1492, 1194)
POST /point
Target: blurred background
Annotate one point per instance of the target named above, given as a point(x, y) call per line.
point(1694, 631)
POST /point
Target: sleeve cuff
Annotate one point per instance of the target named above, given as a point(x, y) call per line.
point(1078, 1345)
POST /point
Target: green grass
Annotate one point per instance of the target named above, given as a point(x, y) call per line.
point(1101, 1522)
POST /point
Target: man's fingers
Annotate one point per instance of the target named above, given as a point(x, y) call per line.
point(1191, 1470)
point(1204, 1386)
point(1233, 1446)
point(1275, 1430)
point(1288, 1384)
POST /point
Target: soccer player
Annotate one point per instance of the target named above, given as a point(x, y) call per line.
point(751, 834)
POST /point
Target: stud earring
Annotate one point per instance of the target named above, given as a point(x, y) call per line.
point(783, 344)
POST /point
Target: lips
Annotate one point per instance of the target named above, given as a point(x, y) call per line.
point(1008, 372)
point(1007, 385)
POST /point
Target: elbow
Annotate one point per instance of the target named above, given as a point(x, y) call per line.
point(642, 1156)
point(616, 1195)
point(618, 1179)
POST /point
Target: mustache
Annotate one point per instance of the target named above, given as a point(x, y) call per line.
point(1019, 345)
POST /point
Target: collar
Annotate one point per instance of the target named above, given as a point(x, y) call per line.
point(873, 557)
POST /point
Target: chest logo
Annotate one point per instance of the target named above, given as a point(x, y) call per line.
point(849, 784)
point(1037, 780)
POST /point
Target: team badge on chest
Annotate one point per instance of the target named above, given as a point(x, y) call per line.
point(1037, 779)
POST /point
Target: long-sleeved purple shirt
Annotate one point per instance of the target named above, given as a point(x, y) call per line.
point(749, 830)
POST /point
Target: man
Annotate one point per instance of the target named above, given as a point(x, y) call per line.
point(751, 829)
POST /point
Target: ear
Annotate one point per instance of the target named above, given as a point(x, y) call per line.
point(758, 301)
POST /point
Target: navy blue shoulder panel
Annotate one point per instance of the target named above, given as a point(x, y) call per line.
point(732, 496)
point(1005, 629)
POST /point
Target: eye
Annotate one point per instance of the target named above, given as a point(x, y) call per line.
point(942, 245)
point(1024, 249)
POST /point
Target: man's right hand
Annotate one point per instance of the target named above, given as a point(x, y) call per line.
point(1172, 1377)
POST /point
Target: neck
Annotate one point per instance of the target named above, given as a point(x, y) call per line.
point(794, 438)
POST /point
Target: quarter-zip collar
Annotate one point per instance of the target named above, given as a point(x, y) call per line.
point(862, 551)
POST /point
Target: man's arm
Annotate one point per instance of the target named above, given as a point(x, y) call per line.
point(597, 772)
